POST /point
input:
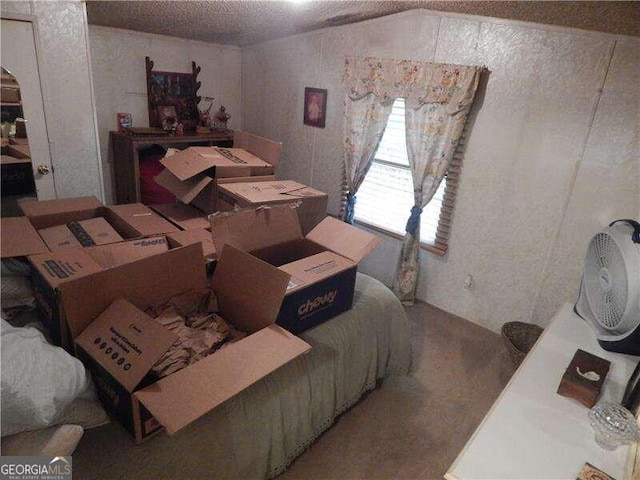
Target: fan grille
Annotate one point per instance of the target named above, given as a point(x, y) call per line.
point(606, 280)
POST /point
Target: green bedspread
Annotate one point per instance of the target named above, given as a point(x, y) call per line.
point(258, 433)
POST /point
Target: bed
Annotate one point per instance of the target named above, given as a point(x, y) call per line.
point(259, 432)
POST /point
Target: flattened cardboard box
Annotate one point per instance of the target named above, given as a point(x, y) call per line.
point(109, 321)
point(312, 203)
point(322, 265)
point(51, 270)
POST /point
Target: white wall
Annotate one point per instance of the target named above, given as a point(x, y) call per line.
point(552, 156)
point(120, 81)
point(68, 102)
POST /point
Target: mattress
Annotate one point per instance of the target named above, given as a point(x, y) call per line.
point(259, 432)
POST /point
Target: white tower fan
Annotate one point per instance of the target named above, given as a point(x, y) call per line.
point(610, 290)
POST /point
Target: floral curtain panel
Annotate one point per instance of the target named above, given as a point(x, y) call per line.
point(366, 120)
point(432, 137)
point(438, 98)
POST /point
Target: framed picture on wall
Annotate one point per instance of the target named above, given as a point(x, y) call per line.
point(315, 107)
point(177, 90)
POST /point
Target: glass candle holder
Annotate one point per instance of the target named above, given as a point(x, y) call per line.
point(613, 425)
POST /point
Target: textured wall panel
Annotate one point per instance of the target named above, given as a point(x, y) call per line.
point(529, 131)
point(523, 150)
point(274, 77)
point(16, 6)
point(607, 186)
point(120, 81)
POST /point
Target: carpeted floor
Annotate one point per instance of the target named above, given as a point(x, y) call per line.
point(414, 427)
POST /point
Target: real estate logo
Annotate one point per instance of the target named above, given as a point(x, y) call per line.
point(35, 468)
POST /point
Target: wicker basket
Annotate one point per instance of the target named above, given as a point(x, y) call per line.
point(518, 338)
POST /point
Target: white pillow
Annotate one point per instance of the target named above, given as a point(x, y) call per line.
point(38, 380)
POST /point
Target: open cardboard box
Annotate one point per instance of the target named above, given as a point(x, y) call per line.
point(196, 235)
point(70, 222)
point(194, 226)
point(97, 314)
point(50, 213)
point(322, 265)
point(20, 235)
point(192, 174)
point(186, 217)
point(53, 269)
point(313, 203)
point(199, 236)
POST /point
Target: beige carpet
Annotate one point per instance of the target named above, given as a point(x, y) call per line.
point(414, 427)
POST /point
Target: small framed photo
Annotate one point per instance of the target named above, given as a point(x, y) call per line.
point(168, 117)
point(315, 107)
point(124, 121)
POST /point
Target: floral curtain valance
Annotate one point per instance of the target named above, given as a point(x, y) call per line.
point(417, 82)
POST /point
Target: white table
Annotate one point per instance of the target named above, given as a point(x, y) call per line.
point(531, 432)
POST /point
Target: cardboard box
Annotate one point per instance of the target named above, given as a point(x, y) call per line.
point(195, 236)
point(261, 147)
point(109, 256)
point(101, 311)
point(49, 213)
point(19, 238)
point(220, 205)
point(312, 207)
point(136, 220)
point(53, 269)
point(322, 265)
point(192, 174)
point(85, 233)
point(73, 222)
point(186, 217)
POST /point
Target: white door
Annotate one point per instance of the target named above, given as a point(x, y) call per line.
point(19, 58)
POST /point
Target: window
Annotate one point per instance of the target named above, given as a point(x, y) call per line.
point(385, 198)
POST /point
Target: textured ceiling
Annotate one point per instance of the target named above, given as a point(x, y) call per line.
point(245, 22)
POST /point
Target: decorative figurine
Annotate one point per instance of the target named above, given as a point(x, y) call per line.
point(203, 117)
point(221, 119)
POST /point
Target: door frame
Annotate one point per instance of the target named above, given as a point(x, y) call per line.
point(33, 20)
